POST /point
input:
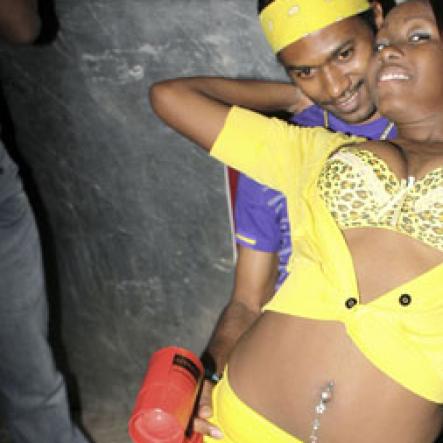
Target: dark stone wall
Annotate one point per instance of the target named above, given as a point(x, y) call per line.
point(133, 217)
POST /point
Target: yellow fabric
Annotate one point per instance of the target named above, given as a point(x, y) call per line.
point(404, 342)
point(239, 423)
point(286, 21)
point(369, 194)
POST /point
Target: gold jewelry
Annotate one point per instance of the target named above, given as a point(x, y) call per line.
point(325, 119)
point(387, 130)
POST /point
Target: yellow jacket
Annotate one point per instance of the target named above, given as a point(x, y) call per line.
point(400, 332)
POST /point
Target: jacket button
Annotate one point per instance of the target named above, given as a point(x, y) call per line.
point(405, 299)
point(351, 302)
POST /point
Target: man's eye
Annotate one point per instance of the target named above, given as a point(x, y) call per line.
point(346, 54)
point(303, 73)
point(417, 37)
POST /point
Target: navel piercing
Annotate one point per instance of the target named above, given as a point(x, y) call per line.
point(320, 409)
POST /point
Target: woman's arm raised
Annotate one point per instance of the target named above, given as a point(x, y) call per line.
point(197, 107)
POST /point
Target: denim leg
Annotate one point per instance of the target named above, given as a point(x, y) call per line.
point(32, 392)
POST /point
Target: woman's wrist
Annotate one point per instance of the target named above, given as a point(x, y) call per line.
point(211, 373)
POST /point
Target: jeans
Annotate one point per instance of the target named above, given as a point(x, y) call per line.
point(33, 396)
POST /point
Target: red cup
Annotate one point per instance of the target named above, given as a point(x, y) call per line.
point(166, 400)
point(195, 438)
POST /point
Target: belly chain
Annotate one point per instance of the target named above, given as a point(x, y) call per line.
point(320, 409)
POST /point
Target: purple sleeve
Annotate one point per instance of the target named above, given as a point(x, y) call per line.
point(260, 212)
point(256, 221)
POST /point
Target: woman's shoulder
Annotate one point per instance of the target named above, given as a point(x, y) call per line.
point(383, 150)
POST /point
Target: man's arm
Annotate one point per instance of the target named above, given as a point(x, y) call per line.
point(19, 21)
point(255, 277)
point(210, 99)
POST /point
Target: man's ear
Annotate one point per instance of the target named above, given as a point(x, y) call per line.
point(378, 13)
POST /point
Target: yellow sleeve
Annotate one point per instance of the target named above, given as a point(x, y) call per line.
point(270, 150)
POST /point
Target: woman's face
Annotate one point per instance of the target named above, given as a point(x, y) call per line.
point(406, 73)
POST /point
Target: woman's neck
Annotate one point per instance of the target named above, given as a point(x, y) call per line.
point(421, 143)
point(427, 130)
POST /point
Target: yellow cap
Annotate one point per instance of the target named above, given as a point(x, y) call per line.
point(286, 21)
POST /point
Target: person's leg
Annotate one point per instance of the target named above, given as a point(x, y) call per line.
point(32, 392)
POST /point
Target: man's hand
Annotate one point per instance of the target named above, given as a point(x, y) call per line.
point(255, 276)
point(204, 413)
point(301, 102)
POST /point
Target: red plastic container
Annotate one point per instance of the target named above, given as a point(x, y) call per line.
point(167, 398)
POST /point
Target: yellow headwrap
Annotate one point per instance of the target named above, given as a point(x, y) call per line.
point(286, 21)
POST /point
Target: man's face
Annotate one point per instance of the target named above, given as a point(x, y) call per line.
point(330, 67)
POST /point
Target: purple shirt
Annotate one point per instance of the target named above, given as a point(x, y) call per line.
point(261, 217)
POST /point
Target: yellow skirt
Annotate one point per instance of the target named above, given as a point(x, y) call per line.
point(241, 424)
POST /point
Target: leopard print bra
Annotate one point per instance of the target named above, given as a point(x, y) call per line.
point(360, 190)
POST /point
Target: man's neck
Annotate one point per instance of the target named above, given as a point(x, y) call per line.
point(372, 118)
point(375, 116)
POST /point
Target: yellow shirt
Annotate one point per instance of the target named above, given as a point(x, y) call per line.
point(400, 332)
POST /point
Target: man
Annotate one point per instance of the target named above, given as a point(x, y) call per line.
point(32, 392)
point(328, 65)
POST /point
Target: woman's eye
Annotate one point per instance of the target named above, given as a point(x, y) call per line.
point(417, 37)
point(378, 47)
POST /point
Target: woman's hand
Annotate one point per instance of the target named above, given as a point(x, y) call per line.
point(204, 413)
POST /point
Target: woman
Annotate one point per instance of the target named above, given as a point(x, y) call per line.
point(351, 347)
